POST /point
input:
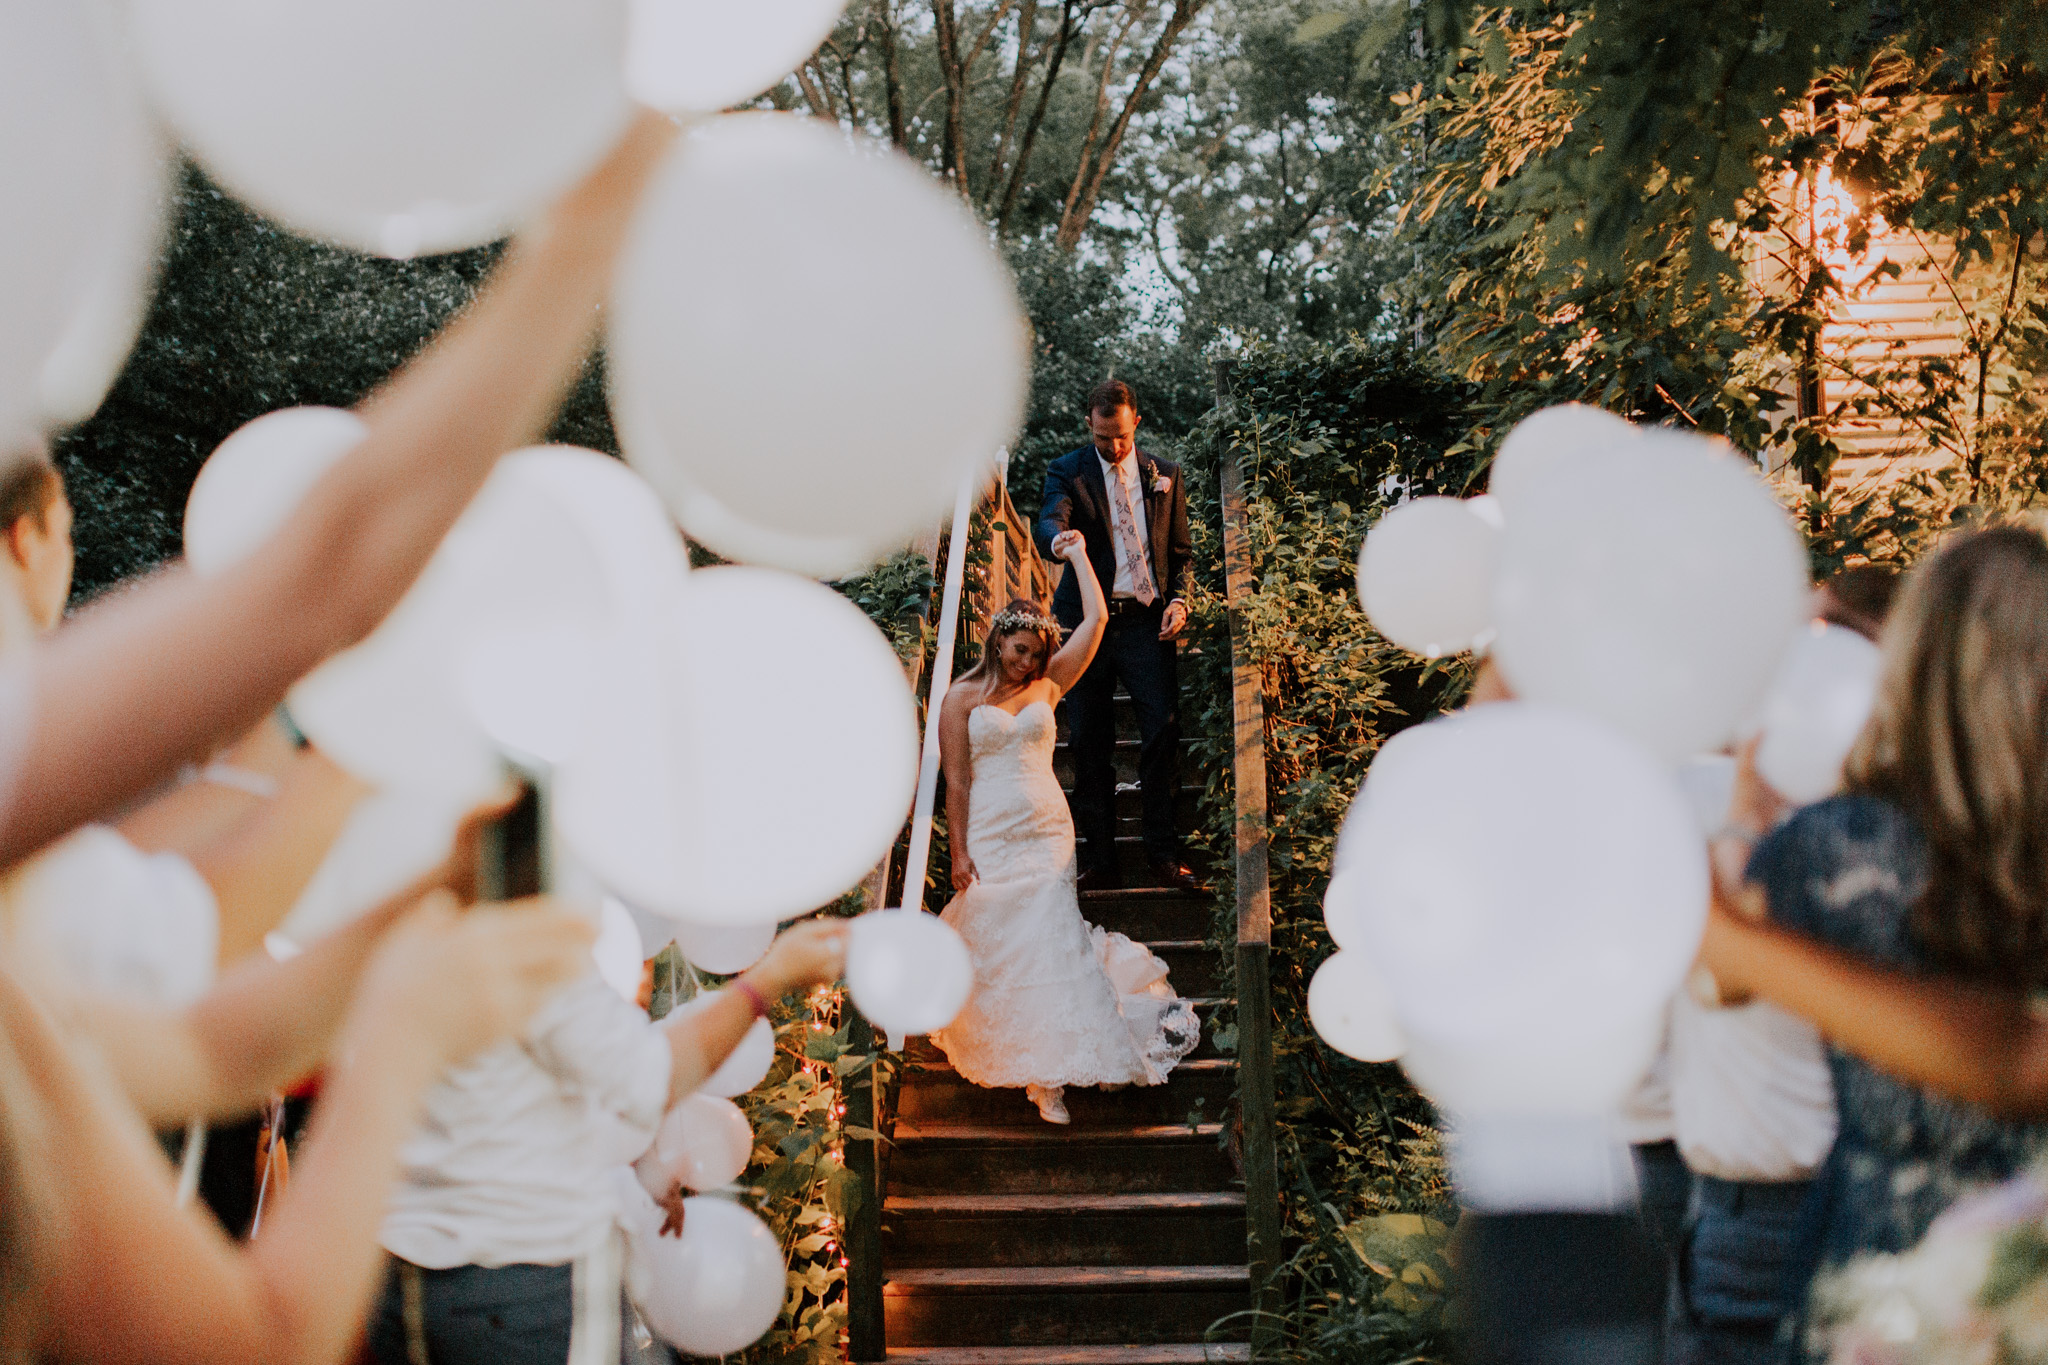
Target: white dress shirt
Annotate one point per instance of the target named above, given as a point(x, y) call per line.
point(1126, 473)
point(512, 1161)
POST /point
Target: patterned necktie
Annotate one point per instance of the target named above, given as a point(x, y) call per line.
point(1125, 524)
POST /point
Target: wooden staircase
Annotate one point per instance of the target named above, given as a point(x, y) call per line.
point(1118, 1240)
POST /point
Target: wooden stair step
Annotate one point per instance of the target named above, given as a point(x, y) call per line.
point(1030, 1156)
point(1200, 1227)
point(1200, 1087)
point(1061, 1305)
point(1163, 1353)
point(1149, 913)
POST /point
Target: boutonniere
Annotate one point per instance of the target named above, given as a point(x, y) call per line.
point(1162, 483)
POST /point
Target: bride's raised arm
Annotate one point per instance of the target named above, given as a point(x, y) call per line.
point(1066, 667)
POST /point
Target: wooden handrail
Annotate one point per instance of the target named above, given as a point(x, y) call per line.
point(1254, 897)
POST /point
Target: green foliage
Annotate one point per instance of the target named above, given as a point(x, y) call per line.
point(1614, 217)
point(1326, 438)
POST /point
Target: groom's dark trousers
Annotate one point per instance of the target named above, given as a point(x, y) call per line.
point(1147, 666)
point(1076, 499)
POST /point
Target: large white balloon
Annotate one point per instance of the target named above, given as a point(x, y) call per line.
point(754, 763)
point(700, 56)
point(746, 1066)
point(720, 949)
point(713, 1290)
point(811, 345)
point(1708, 781)
point(1544, 446)
point(1816, 709)
point(907, 971)
point(703, 1142)
point(69, 132)
point(395, 126)
point(1653, 582)
point(391, 840)
point(253, 480)
point(1352, 1009)
point(104, 324)
point(1425, 576)
point(1533, 888)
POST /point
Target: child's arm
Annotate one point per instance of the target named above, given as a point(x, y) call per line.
point(807, 954)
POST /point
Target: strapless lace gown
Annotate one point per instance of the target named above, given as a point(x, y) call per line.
point(1057, 1001)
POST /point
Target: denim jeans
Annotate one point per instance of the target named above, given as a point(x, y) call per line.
point(1739, 1286)
point(506, 1315)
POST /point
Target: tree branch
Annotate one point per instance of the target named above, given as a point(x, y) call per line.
point(1052, 73)
point(1080, 210)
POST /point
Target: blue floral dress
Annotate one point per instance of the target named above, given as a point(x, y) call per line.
point(1847, 871)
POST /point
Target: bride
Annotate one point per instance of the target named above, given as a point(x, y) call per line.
point(1057, 1001)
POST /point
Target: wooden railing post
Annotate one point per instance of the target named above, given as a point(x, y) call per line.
point(1254, 903)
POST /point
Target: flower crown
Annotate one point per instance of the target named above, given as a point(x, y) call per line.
point(1010, 619)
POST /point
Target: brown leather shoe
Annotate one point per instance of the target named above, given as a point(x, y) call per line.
point(1174, 873)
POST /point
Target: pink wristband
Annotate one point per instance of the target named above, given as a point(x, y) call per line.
point(754, 996)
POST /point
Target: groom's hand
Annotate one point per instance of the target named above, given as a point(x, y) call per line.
point(1175, 618)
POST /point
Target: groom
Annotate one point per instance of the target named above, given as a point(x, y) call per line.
point(1133, 510)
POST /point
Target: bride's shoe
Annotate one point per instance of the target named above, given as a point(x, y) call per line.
point(1051, 1107)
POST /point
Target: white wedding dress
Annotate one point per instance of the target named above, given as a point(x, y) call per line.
point(1057, 1001)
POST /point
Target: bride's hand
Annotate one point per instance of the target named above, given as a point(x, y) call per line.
point(1069, 545)
point(963, 871)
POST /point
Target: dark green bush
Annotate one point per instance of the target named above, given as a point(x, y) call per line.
point(1325, 438)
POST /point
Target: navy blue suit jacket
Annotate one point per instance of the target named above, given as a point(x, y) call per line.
point(1077, 499)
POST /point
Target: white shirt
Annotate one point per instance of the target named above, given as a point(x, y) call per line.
point(1125, 473)
point(1750, 1092)
point(1646, 1115)
point(512, 1161)
point(115, 919)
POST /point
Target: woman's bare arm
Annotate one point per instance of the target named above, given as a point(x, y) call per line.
point(808, 954)
point(1066, 667)
point(1971, 1043)
point(443, 986)
point(125, 693)
point(258, 868)
point(957, 761)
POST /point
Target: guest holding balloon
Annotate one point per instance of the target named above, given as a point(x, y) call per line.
point(1057, 1001)
point(151, 926)
point(1907, 917)
point(1133, 509)
point(500, 1228)
point(111, 706)
point(1753, 1101)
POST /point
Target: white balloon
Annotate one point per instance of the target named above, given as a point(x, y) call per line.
point(1816, 709)
point(617, 950)
point(1654, 583)
point(755, 762)
point(529, 686)
point(700, 56)
point(746, 1066)
point(1425, 576)
point(907, 971)
point(720, 949)
point(69, 127)
point(703, 1142)
point(1533, 888)
point(103, 326)
point(399, 127)
point(1352, 1009)
point(1545, 445)
point(1708, 781)
point(717, 1287)
point(905, 372)
point(253, 480)
point(394, 710)
point(391, 840)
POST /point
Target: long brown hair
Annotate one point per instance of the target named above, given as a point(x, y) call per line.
point(1048, 634)
point(1959, 740)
